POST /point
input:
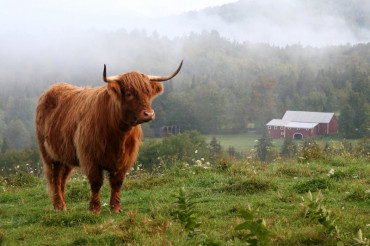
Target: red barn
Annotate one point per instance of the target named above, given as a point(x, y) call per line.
point(301, 124)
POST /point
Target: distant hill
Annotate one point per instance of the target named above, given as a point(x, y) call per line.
point(316, 22)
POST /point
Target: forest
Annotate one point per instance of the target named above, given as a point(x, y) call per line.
point(224, 87)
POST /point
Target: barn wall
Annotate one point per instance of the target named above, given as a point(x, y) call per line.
point(305, 132)
point(276, 133)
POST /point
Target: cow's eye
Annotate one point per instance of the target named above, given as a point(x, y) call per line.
point(129, 95)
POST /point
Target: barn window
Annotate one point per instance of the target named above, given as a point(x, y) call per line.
point(269, 127)
point(298, 128)
point(289, 128)
point(307, 129)
point(275, 127)
point(282, 133)
point(281, 128)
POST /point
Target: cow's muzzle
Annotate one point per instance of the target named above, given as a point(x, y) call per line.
point(147, 115)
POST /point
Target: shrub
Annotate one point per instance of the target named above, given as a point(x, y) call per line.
point(312, 185)
point(250, 186)
point(183, 147)
point(359, 195)
point(27, 160)
point(21, 179)
point(310, 151)
point(289, 148)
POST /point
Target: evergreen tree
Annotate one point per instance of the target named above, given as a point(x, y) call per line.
point(263, 147)
point(4, 146)
point(289, 148)
point(346, 121)
point(215, 146)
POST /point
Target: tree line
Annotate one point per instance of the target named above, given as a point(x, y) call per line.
point(224, 86)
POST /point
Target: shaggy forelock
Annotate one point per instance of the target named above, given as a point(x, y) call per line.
point(136, 81)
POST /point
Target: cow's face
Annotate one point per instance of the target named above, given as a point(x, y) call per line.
point(134, 92)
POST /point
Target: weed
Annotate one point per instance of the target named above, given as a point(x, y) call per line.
point(21, 179)
point(69, 219)
point(317, 210)
point(250, 186)
point(312, 185)
point(360, 239)
point(311, 151)
point(2, 237)
point(185, 212)
point(257, 233)
point(359, 195)
point(78, 192)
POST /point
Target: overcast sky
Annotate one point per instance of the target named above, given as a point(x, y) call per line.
point(265, 21)
point(36, 15)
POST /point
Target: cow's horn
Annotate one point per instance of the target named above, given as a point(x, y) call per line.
point(109, 79)
point(164, 78)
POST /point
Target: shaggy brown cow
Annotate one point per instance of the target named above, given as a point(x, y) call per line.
point(94, 128)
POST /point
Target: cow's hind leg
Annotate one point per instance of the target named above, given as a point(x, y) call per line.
point(53, 172)
point(66, 172)
point(58, 170)
point(115, 181)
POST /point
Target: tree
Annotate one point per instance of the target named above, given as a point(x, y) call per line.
point(215, 146)
point(17, 135)
point(289, 148)
point(264, 146)
point(4, 146)
point(346, 121)
point(262, 102)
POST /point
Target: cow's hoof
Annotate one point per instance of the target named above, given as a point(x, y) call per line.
point(116, 209)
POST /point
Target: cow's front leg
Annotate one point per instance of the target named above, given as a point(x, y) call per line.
point(96, 181)
point(116, 180)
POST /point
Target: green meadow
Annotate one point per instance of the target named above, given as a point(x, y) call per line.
point(277, 196)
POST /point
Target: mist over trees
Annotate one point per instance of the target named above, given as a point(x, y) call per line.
point(224, 86)
point(227, 84)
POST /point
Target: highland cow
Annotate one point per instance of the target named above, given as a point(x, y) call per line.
point(96, 129)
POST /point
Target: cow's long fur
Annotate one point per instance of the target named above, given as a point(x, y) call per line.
point(94, 128)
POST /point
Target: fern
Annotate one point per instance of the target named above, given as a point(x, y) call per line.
point(186, 213)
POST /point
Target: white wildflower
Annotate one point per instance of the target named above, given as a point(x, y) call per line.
point(202, 159)
point(104, 204)
point(295, 177)
point(331, 172)
point(196, 151)
point(367, 191)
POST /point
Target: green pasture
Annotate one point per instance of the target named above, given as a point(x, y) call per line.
point(276, 192)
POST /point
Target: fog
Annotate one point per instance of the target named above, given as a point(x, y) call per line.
point(71, 34)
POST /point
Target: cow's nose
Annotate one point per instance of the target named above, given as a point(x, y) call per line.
point(149, 115)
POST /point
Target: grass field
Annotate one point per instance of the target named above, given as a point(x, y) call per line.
point(220, 189)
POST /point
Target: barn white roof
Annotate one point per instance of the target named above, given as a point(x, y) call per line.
point(310, 117)
point(301, 125)
point(277, 122)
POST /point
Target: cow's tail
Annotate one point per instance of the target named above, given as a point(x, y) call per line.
point(48, 170)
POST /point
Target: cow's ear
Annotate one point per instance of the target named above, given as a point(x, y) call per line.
point(157, 88)
point(114, 89)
